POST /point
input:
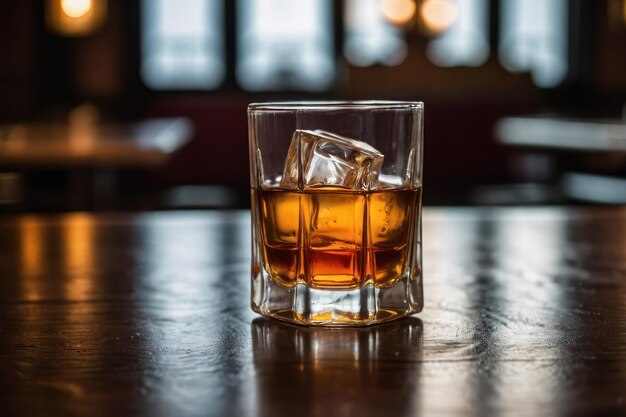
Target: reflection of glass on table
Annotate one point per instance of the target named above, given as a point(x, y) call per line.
point(355, 367)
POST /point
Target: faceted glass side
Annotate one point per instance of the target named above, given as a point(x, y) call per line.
point(373, 276)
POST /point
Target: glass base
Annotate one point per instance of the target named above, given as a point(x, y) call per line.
point(336, 308)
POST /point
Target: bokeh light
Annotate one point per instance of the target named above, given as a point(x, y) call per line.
point(398, 12)
point(438, 15)
point(76, 8)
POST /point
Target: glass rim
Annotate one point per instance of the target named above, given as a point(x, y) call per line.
point(336, 105)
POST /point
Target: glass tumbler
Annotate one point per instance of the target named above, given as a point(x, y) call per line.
point(336, 211)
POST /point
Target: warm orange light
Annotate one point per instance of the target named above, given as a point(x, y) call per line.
point(32, 242)
point(82, 129)
point(32, 253)
point(79, 238)
point(76, 8)
point(75, 17)
point(398, 12)
point(438, 15)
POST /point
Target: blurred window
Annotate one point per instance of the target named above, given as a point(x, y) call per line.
point(534, 38)
point(465, 42)
point(285, 45)
point(370, 38)
point(182, 44)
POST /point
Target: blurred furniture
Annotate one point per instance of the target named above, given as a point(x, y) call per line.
point(585, 158)
point(92, 153)
point(218, 153)
point(147, 143)
point(148, 314)
point(461, 151)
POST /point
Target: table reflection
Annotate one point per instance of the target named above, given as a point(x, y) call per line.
point(533, 311)
point(357, 370)
point(524, 314)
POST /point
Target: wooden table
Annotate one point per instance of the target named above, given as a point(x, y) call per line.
point(584, 158)
point(147, 143)
point(148, 314)
point(582, 135)
point(91, 153)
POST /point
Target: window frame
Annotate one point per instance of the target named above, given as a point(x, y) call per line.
point(579, 78)
point(229, 84)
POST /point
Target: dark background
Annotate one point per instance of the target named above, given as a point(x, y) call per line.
point(44, 75)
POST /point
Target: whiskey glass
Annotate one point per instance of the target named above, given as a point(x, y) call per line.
point(336, 193)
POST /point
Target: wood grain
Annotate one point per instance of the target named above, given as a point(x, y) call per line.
point(148, 314)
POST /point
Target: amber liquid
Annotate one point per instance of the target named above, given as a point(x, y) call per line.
point(335, 238)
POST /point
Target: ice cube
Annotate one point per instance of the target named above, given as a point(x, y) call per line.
point(319, 158)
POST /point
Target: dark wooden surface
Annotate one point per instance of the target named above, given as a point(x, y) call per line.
point(144, 144)
point(148, 314)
